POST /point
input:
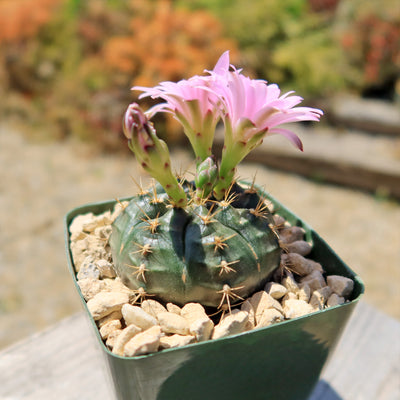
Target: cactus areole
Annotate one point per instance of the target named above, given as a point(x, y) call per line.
point(210, 241)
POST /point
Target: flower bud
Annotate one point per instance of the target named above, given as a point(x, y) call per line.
point(206, 177)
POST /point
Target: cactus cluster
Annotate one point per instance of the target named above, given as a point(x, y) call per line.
point(210, 241)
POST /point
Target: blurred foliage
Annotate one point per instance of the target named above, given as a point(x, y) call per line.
point(165, 43)
point(283, 41)
point(21, 19)
point(370, 36)
point(66, 66)
point(73, 77)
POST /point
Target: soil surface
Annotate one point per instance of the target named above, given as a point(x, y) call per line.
point(40, 182)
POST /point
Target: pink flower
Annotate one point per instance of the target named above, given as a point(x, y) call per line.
point(253, 109)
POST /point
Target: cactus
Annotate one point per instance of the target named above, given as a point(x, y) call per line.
point(210, 241)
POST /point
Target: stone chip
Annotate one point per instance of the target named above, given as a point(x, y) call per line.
point(169, 342)
point(262, 300)
point(232, 324)
point(123, 338)
point(104, 303)
point(269, 317)
point(90, 287)
point(275, 290)
point(335, 300)
point(173, 323)
point(153, 307)
point(340, 285)
point(109, 327)
point(105, 269)
point(143, 343)
point(137, 316)
point(315, 280)
point(296, 308)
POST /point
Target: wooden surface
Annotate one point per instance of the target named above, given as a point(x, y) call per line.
point(65, 363)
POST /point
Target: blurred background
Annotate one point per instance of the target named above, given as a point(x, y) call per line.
point(66, 67)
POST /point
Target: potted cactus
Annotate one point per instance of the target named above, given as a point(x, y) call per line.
point(215, 243)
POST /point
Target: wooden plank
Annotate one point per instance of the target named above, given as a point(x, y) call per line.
point(62, 363)
point(65, 363)
point(366, 362)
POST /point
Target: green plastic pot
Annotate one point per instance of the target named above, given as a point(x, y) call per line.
point(278, 362)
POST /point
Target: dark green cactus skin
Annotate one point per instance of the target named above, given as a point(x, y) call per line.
point(177, 258)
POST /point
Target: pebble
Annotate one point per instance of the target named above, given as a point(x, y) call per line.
point(275, 290)
point(335, 300)
point(116, 285)
point(290, 296)
point(88, 269)
point(231, 324)
point(169, 342)
point(279, 221)
point(291, 234)
point(290, 283)
point(317, 301)
point(246, 306)
point(173, 308)
point(315, 280)
point(304, 292)
point(78, 223)
point(262, 300)
point(123, 338)
point(340, 285)
point(193, 311)
point(325, 292)
point(97, 221)
point(294, 308)
point(114, 315)
point(297, 264)
point(200, 325)
point(109, 327)
point(299, 247)
point(90, 287)
point(79, 249)
point(104, 303)
point(153, 307)
point(201, 329)
point(103, 232)
point(105, 269)
point(112, 337)
point(143, 343)
point(173, 323)
point(269, 317)
point(89, 246)
point(134, 315)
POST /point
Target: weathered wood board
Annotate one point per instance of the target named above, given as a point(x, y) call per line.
point(65, 363)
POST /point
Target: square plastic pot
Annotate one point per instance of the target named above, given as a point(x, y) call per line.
point(278, 362)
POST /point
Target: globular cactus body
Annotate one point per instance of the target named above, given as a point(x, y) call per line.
point(192, 253)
